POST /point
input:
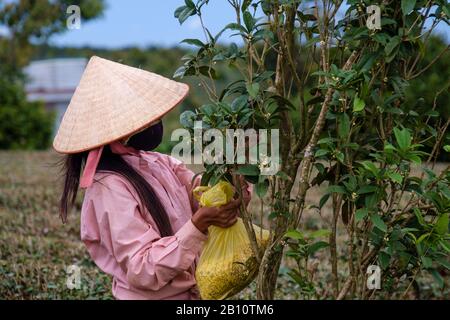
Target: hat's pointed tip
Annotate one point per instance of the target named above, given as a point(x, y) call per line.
point(95, 60)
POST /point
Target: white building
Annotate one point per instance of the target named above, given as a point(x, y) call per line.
point(53, 81)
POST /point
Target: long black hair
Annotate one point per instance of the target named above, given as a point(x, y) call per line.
point(109, 161)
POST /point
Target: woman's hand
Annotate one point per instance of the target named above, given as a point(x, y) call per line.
point(246, 196)
point(224, 216)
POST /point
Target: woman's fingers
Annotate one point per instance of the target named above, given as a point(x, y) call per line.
point(225, 218)
point(232, 221)
point(232, 205)
point(226, 215)
point(226, 223)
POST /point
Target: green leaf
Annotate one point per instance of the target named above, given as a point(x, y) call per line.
point(396, 177)
point(378, 222)
point(208, 72)
point(335, 189)
point(446, 10)
point(389, 148)
point(445, 244)
point(386, 21)
point(306, 17)
point(384, 259)
point(423, 237)
point(344, 126)
point(323, 200)
point(419, 217)
point(179, 73)
point(248, 170)
point(360, 214)
point(437, 277)
point(326, 140)
point(408, 6)
point(317, 246)
point(319, 233)
point(194, 42)
point(392, 44)
point(253, 89)
point(249, 21)
point(426, 262)
point(403, 138)
point(235, 26)
point(340, 157)
point(432, 113)
point(443, 262)
point(447, 148)
point(178, 11)
point(320, 153)
point(245, 5)
point(414, 158)
point(320, 73)
point(187, 119)
point(264, 76)
point(294, 234)
point(263, 34)
point(320, 167)
point(441, 225)
point(351, 184)
point(282, 101)
point(370, 166)
point(190, 4)
point(367, 189)
point(208, 109)
point(358, 104)
point(294, 274)
point(371, 201)
point(261, 188)
point(239, 103)
point(184, 12)
point(283, 175)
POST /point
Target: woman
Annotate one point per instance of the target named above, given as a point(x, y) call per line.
point(139, 221)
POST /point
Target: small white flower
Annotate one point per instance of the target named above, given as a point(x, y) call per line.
point(264, 162)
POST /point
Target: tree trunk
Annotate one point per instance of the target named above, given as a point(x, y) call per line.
point(268, 273)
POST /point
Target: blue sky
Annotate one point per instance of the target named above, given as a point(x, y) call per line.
point(143, 23)
point(151, 22)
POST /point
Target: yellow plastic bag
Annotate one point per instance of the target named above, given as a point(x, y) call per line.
point(227, 264)
point(215, 196)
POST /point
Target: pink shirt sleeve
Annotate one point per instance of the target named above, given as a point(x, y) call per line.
point(149, 261)
point(186, 178)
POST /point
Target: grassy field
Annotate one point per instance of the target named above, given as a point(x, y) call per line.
point(36, 248)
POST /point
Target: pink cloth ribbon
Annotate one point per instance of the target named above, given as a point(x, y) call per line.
point(93, 159)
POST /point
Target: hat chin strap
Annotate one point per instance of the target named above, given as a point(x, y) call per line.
point(93, 159)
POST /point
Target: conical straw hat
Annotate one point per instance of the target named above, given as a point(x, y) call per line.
point(113, 101)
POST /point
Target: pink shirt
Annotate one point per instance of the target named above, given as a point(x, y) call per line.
point(124, 241)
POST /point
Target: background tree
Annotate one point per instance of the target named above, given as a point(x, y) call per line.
point(346, 122)
point(35, 21)
point(23, 124)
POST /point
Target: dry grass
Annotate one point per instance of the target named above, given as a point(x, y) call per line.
point(35, 247)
